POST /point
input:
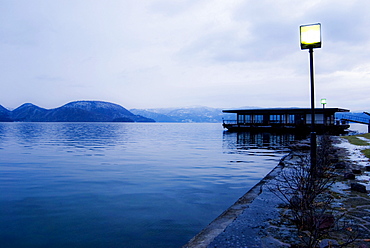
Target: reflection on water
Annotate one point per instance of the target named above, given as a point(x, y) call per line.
point(123, 184)
point(249, 140)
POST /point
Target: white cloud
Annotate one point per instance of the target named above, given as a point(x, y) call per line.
point(166, 53)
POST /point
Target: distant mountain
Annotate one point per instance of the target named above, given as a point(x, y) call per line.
point(153, 115)
point(78, 111)
point(4, 114)
point(28, 112)
point(191, 114)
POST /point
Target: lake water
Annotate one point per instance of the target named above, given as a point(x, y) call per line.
point(358, 128)
point(123, 184)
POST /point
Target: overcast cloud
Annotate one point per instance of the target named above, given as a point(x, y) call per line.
point(176, 53)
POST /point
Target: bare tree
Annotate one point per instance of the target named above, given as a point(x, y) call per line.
point(307, 194)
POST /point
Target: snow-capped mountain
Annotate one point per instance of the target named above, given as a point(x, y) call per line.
point(191, 114)
point(78, 111)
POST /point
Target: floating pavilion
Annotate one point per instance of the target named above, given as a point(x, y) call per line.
point(287, 120)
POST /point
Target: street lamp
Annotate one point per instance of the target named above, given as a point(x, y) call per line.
point(310, 36)
point(323, 102)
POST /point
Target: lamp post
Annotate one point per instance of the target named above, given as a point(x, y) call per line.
point(310, 36)
point(323, 102)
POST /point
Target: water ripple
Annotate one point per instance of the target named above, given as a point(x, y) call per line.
point(123, 184)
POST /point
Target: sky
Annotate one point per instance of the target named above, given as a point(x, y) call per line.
point(180, 53)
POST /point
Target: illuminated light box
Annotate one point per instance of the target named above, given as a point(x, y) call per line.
point(310, 36)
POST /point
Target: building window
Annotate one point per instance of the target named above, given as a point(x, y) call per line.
point(258, 119)
point(291, 119)
point(276, 118)
point(241, 118)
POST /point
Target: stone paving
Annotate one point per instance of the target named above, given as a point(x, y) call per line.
point(256, 219)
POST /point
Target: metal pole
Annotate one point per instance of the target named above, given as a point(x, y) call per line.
point(313, 133)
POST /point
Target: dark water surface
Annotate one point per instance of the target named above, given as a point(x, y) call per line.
point(123, 184)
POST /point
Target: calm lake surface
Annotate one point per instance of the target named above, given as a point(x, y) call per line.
point(123, 184)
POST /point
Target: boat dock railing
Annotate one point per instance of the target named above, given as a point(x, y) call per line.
point(341, 121)
point(229, 122)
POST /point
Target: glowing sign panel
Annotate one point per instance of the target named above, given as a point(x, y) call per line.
point(310, 36)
